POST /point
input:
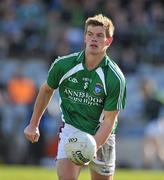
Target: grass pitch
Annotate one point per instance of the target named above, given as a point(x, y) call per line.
point(34, 173)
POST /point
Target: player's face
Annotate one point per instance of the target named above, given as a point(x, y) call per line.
point(95, 39)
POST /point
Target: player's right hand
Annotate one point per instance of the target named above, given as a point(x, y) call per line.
point(32, 133)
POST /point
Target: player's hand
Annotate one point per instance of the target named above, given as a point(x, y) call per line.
point(32, 133)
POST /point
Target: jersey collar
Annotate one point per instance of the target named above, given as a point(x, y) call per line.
point(103, 63)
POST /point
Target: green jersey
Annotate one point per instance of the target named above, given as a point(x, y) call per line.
point(84, 94)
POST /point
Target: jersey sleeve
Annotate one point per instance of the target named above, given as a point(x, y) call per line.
point(54, 75)
point(116, 95)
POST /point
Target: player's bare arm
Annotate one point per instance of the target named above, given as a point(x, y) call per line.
point(106, 127)
point(32, 130)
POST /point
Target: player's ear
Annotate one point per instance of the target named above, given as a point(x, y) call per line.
point(109, 41)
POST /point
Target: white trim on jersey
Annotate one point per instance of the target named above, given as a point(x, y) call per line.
point(60, 102)
point(101, 117)
point(122, 84)
point(63, 57)
point(72, 71)
point(102, 77)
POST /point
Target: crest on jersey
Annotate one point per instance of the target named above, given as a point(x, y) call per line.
point(98, 89)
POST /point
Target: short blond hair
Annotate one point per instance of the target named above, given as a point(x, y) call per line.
point(100, 20)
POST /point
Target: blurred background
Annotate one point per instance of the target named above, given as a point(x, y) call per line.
point(34, 32)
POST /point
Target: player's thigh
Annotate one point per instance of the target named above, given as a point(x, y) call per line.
point(96, 176)
point(67, 170)
point(103, 166)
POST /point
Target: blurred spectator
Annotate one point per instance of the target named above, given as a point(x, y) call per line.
point(152, 104)
point(153, 137)
point(21, 92)
point(21, 89)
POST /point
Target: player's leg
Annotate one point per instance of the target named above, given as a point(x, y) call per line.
point(103, 167)
point(67, 170)
point(96, 176)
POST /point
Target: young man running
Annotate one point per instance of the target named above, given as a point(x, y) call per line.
point(92, 89)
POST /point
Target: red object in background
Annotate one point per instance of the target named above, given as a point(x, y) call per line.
point(52, 147)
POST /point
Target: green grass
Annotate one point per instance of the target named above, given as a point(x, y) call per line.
point(38, 173)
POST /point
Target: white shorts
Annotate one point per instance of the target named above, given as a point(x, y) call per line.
point(104, 164)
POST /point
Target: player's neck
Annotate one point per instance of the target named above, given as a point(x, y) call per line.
point(93, 60)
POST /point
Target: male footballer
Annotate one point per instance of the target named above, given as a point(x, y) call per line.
point(92, 90)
